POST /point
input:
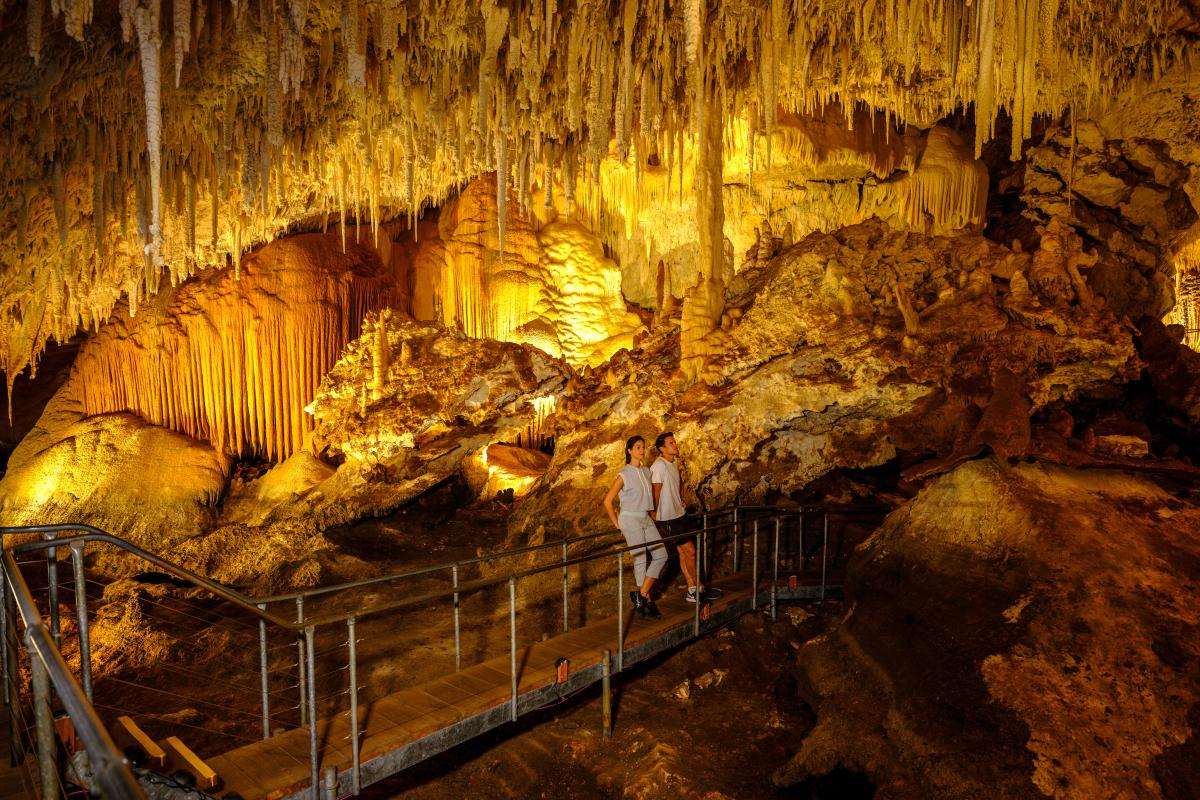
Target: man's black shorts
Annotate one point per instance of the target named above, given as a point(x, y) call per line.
point(674, 527)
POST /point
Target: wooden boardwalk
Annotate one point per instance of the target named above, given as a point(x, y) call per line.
point(411, 725)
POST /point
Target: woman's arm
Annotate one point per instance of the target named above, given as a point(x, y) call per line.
point(612, 495)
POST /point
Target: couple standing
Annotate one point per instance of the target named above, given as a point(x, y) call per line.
point(651, 502)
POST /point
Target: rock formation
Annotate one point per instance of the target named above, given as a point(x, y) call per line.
point(1015, 632)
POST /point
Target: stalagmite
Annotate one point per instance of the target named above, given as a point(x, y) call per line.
point(380, 356)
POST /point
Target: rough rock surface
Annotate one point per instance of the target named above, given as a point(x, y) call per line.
point(116, 472)
point(407, 407)
point(1129, 200)
point(1016, 632)
point(841, 351)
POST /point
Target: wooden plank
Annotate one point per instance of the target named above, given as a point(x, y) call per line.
point(180, 756)
point(125, 733)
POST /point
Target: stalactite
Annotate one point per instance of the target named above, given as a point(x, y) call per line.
point(985, 85)
point(59, 181)
point(356, 59)
point(502, 175)
point(182, 19)
point(250, 182)
point(191, 213)
point(146, 21)
point(237, 374)
point(416, 108)
point(574, 75)
point(99, 236)
point(35, 13)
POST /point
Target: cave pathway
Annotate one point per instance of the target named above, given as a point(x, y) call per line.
point(402, 728)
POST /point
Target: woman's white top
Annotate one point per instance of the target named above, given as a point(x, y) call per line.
point(636, 493)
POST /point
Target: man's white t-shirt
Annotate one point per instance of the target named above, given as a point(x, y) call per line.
point(670, 504)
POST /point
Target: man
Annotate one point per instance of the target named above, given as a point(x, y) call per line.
point(668, 504)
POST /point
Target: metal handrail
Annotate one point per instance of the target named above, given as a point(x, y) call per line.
point(305, 629)
point(449, 565)
point(109, 769)
point(249, 604)
point(253, 605)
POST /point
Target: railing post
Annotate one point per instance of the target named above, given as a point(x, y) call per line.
point(52, 584)
point(457, 623)
point(802, 540)
point(4, 623)
point(331, 791)
point(314, 758)
point(300, 663)
point(699, 591)
point(356, 773)
point(48, 771)
point(263, 674)
point(566, 618)
point(85, 637)
point(620, 614)
point(702, 545)
point(737, 550)
point(775, 572)
point(512, 643)
point(754, 571)
point(824, 553)
point(606, 699)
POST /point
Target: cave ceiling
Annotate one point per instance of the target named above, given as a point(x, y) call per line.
point(144, 141)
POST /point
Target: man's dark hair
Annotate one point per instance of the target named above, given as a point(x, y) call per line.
point(661, 439)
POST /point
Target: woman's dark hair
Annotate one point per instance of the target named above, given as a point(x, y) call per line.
point(629, 445)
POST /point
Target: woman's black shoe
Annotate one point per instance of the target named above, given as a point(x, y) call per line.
point(651, 610)
point(639, 603)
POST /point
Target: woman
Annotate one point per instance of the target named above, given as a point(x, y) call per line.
point(636, 524)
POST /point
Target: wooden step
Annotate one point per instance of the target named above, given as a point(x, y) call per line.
point(126, 733)
point(179, 756)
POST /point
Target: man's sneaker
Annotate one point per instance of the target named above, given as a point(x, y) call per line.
point(707, 595)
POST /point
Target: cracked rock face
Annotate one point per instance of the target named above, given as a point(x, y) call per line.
point(1016, 632)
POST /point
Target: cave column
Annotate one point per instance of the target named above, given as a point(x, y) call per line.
point(704, 302)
